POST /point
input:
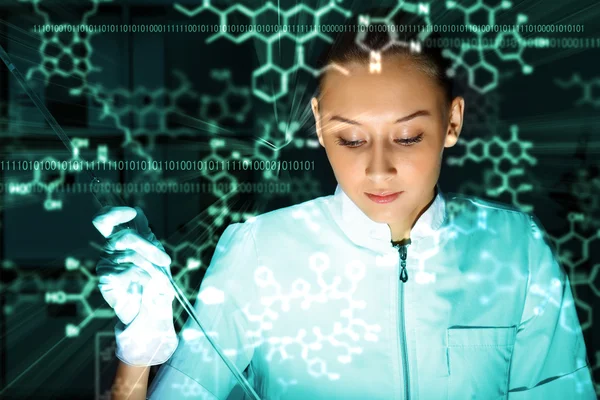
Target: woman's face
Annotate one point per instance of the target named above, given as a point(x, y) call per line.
point(386, 132)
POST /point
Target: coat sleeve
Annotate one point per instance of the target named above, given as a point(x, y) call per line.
point(549, 358)
point(195, 370)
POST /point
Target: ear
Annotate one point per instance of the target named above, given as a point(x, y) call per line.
point(455, 121)
point(314, 105)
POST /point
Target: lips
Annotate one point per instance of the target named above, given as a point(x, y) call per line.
point(382, 194)
point(383, 197)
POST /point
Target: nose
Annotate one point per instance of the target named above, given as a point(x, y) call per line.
point(380, 167)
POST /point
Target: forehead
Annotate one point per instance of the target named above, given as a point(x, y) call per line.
point(401, 86)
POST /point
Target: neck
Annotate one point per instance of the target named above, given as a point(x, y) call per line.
point(400, 232)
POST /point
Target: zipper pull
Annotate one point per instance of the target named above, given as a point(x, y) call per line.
point(403, 250)
point(403, 273)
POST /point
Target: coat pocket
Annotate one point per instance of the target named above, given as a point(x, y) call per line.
point(479, 361)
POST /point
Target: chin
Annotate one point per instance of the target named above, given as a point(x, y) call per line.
point(380, 220)
point(381, 217)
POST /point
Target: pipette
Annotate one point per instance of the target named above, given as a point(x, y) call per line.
point(108, 198)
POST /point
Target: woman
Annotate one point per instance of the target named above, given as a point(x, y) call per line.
point(387, 289)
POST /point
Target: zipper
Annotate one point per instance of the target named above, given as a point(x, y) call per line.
point(403, 251)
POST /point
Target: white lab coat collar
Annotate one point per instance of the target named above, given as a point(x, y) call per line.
point(365, 232)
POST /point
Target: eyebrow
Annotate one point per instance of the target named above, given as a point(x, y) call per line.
point(420, 113)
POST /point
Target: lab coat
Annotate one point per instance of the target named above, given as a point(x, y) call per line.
point(306, 301)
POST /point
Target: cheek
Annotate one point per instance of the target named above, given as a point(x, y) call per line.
point(423, 159)
point(346, 167)
point(341, 159)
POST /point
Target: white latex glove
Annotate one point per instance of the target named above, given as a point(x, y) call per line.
point(141, 296)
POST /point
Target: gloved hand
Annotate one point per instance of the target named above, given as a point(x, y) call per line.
point(141, 295)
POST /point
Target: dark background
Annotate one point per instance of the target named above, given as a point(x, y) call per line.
point(152, 96)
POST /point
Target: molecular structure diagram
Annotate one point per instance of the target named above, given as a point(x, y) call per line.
point(187, 257)
point(51, 181)
point(301, 293)
point(484, 112)
point(65, 54)
point(151, 109)
point(190, 388)
point(421, 9)
point(586, 188)
point(589, 88)
point(500, 152)
point(573, 250)
point(483, 77)
point(271, 14)
point(215, 109)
